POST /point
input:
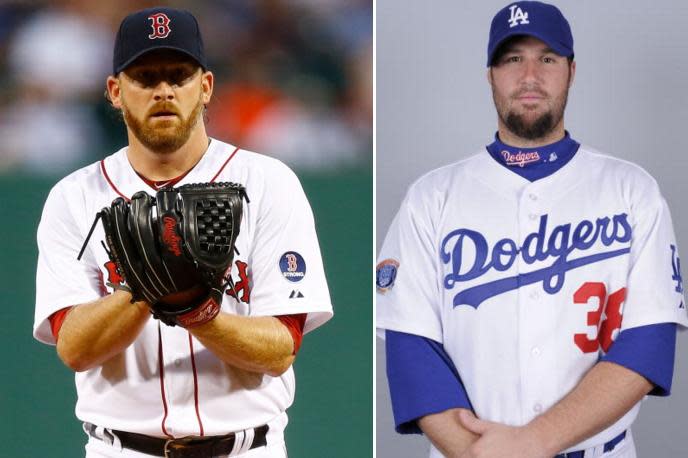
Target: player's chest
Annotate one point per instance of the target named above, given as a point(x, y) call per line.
point(538, 277)
point(507, 251)
point(238, 291)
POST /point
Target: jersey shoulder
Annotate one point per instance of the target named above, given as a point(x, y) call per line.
point(619, 169)
point(256, 164)
point(79, 179)
point(269, 182)
point(86, 179)
point(437, 184)
point(441, 177)
point(639, 189)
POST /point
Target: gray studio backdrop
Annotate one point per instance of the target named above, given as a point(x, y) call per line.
point(629, 99)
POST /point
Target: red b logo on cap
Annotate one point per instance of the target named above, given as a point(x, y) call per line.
point(161, 25)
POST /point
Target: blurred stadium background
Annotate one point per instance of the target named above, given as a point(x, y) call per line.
point(294, 81)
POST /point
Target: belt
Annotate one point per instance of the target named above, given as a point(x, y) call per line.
point(184, 447)
point(608, 447)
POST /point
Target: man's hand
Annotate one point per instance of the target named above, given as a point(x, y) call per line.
point(497, 440)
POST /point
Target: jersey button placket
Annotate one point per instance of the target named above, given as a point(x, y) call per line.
point(529, 297)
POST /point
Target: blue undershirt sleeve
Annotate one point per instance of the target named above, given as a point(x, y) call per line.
point(422, 380)
point(649, 351)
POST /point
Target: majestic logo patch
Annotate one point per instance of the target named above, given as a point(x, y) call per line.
point(170, 237)
point(558, 244)
point(293, 266)
point(676, 267)
point(160, 24)
point(386, 274)
point(517, 16)
point(520, 159)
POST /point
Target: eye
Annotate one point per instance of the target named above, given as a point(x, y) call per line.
point(513, 59)
point(549, 60)
point(180, 76)
point(145, 78)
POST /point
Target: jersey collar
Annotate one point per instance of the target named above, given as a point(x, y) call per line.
point(534, 163)
point(123, 179)
point(501, 179)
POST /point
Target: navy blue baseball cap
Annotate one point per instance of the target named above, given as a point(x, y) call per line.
point(157, 28)
point(536, 19)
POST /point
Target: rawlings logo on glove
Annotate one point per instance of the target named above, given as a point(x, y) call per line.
point(170, 236)
point(174, 249)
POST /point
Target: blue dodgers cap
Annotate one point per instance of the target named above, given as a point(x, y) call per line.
point(157, 28)
point(536, 19)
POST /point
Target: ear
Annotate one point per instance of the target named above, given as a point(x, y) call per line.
point(573, 73)
point(489, 75)
point(207, 80)
point(114, 91)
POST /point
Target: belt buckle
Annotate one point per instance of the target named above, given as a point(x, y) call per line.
point(175, 445)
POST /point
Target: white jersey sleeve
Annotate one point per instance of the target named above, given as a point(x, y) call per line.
point(287, 269)
point(407, 271)
point(654, 286)
point(62, 281)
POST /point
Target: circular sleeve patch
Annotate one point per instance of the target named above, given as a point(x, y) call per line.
point(386, 273)
point(293, 266)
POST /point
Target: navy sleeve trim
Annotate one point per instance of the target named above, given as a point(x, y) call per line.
point(422, 380)
point(649, 351)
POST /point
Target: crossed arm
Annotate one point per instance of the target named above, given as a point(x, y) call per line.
point(94, 332)
point(603, 396)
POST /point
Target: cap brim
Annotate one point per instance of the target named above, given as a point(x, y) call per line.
point(146, 51)
point(556, 47)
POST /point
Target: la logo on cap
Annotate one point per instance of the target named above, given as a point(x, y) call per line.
point(517, 16)
point(161, 25)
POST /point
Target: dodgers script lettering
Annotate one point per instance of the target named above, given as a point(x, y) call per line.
point(558, 245)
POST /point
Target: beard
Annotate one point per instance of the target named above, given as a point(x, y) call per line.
point(164, 137)
point(524, 126)
point(536, 129)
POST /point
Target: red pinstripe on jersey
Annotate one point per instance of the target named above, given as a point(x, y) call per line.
point(195, 379)
point(161, 373)
point(112, 185)
point(223, 165)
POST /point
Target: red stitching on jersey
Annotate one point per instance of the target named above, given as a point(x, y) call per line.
point(112, 185)
point(223, 165)
point(195, 378)
point(161, 368)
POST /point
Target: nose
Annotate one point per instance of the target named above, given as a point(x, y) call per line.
point(531, 71)
point(163, 91)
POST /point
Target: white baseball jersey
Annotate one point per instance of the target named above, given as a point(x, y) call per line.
point(526, 283)
point(166, 383)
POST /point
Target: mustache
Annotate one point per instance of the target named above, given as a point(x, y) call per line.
point(164, 107)
point(531, 90)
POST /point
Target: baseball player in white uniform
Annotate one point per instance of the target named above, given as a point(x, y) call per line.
point(529, 295)
point(144, 388)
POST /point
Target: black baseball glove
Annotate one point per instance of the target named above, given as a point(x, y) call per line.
point(174, 250)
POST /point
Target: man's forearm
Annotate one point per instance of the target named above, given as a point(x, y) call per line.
point(446, 432)
point(96, 331)
point(605, 394)
point(253, 343)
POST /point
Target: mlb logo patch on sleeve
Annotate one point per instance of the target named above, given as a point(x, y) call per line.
point(386, 273)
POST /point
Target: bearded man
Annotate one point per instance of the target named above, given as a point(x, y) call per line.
point(529, 295)
point(222, 386)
